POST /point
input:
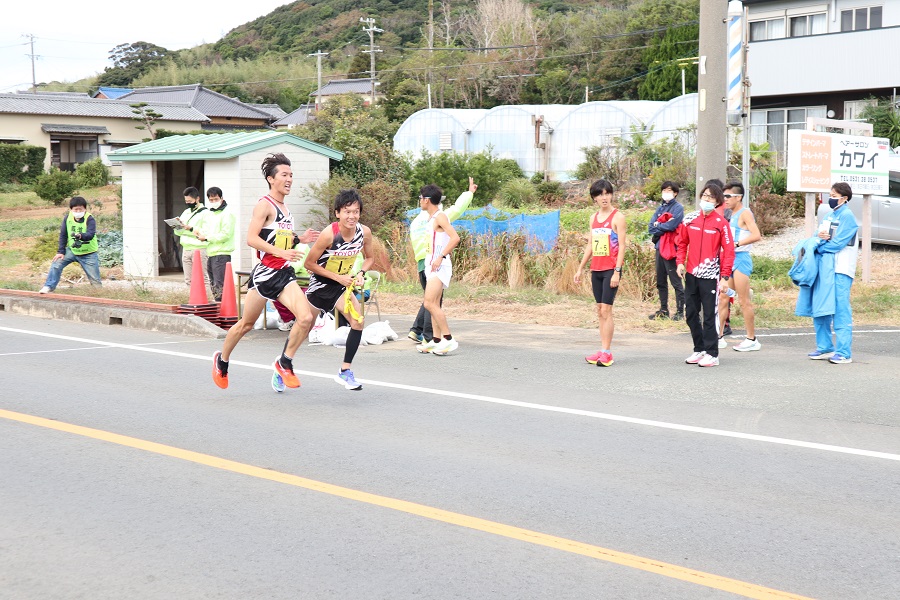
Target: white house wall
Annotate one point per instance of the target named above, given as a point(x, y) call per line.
point(139, 220)
point(308, 168)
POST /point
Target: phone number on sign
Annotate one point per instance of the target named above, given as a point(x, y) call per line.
point(859, 179)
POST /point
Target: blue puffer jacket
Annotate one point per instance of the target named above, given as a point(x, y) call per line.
point(814, 273)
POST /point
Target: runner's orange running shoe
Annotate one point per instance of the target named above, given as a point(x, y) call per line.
point(220, 378)
point(287, 375)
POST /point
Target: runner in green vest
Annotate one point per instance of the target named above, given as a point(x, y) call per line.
point(77, 243)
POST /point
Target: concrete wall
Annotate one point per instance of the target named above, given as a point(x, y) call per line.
point(139, 219)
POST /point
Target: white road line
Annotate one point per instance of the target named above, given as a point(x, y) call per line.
point(79, 349)
point(530, 405)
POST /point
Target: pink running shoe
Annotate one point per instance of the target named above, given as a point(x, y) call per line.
point(593, 358)
point(605, 360)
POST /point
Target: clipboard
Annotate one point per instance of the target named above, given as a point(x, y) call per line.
point(174, 223)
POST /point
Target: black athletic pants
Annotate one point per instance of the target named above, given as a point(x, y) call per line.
point(665, 272)
point(702, 295)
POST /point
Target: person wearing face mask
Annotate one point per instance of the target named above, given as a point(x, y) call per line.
point(192, 225)
point(705, 258)
point(829, 305)
point(78, 242)
point(662, 227)
point(218, 232)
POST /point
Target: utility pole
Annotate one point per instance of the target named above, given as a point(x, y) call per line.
point(371, 30)
point(318, 54)
point(430, 46)
point(32, 56)
point(712, 133)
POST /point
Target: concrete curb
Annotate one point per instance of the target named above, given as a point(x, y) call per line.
point(102, 314)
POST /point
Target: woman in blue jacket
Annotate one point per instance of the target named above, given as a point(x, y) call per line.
point(838, 235)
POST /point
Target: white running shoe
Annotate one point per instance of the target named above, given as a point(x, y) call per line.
point(748, 345)
point(286, 326)
point(722, 342)
point(445, 347)
point(426, 347)
point(709, 361)
point(45, 290)
point(694, 358)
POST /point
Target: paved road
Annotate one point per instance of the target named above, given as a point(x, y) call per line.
point(510, 470)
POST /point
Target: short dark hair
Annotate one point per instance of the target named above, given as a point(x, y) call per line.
point(717, 182)
point(271, 163)
point(671, 185)
point(737, 186)
point(214, 191)
point(347, 198)
point(77, 201)
point(715, 191)
point(432, 192)
point(840, 187)
point(192, 192)
point(601, 186)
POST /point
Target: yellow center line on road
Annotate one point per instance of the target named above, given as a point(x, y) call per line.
point(708, 580)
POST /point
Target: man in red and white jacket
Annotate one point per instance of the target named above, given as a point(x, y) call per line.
point(704, 258)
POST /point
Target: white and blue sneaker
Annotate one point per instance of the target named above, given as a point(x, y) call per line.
point(839, 359)
point(277, 382)
point(819, 355)
point(348, 380)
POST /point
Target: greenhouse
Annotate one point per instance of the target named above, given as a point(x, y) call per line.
point(546, 138)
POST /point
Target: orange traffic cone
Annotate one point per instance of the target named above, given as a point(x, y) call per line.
point(198, 282)
point(228, 308)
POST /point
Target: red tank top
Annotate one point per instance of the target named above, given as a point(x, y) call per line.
point(604, 243)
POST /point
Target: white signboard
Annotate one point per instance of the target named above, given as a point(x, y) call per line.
point(817, 160)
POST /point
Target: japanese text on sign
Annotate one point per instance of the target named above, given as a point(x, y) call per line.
point(816, 161)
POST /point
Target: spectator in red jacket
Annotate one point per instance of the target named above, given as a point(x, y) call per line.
point(705, 258)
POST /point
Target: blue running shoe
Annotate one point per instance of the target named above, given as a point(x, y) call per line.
point(277, 382)
point(349, 381)
point(819, 355)
point(839, 359)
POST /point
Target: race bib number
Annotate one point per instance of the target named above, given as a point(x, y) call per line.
point(600, 241)
point(340, 264)
point(284, 238)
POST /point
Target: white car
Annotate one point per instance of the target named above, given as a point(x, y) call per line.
point(885, 210)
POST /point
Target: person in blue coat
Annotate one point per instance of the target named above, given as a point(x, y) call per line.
point(838, 235)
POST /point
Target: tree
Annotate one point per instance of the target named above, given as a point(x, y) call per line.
point(146, 116)
point(130, 61)
point(662, 62)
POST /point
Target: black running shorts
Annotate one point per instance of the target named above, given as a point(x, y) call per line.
point(269, 282)
point(326, 297)
point(603, 293)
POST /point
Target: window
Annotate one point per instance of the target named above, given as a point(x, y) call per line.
point(809, 25)
point(769, 29)
point(858, 19)
point(772, 125)
point(853, 110)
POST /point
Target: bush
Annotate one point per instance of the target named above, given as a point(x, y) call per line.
point(21, 163)
point(601, 162)
point(773, 212)
point(383, 203)
point(44, 249)
point(639, 271)
point(451, 171)
point(776, 178)
point(686, 179)
point(549, 192)
point(92, 173)
point(517, 193)
point(55, 185)
point(634, 198)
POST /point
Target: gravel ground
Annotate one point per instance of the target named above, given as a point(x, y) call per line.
point(781, 244)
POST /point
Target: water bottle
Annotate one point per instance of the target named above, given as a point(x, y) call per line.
point(730, 293)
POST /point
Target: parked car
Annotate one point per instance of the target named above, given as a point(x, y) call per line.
point(885, 209)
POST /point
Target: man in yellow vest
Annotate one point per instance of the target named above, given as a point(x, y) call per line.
point(77, 243)
point(192, 221)
point(217, 231)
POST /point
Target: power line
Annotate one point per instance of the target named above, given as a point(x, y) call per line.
point(643, 31)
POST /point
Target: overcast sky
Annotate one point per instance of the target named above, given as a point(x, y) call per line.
point(73, 39)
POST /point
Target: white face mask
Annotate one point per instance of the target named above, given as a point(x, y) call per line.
point(666, 196)
point(214, 205)
point(78, 215)
point(706, 207)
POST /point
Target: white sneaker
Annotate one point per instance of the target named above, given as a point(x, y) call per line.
point(722, 342)
point(445, 347)
point(426, 347)
point(709, 361)
point(286, 326)
point(748, 345)
point(694, 358)
point(45, 290)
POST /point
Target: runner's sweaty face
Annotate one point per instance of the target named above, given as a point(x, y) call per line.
point(282, 180)
point(348, 216)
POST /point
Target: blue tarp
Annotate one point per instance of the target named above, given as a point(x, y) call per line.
point(541, 231)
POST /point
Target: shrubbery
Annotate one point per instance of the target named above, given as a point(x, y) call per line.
point(110, 250)
point(773, 212)
point(92, 173)
point(21, 163)
point(451, 171)
point(517, 193)
point(55, 185)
